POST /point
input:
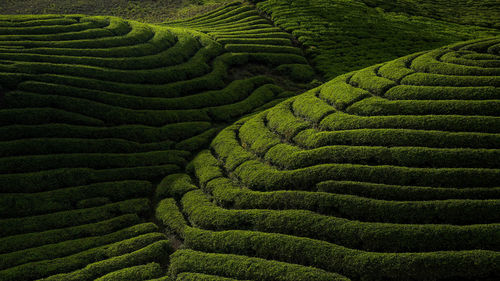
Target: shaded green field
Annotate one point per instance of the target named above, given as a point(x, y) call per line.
point(95, 112)
point(387, 173)
point(151, 11)
point(206, 149)
point(344, 35)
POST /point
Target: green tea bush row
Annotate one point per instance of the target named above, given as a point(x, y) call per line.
point(473, 13)
point(26, 204)
point(175, 186)
point(291, 157)
point(340, 93)
point(234, 91)
point(35, 239)
point(66, 248)
point(408, 92)
point(119, 34)
point(136, 133)
point(452, 123)
point(221, 14)
point(37, 21)
point(431, 79)
point(169, 215)
point(259, 176)
point(379, 237)
point(262, 41)
point(406, 193)
point(352, 263)
point(184, 48)
point(195, 67)
point(413, 211)
point(72, 218)
point(94, 262)
point(160, 41)
point(243, 267)
point(260, 48)
point(36, 116)
point(187, 276)
point(344, 36)
point(41, 146)
point(50, 29)
point(430, 63)
point(93, 160)
point(110, 114)
point(356, 207)
point(59, 178)
point(311, 138)
point(254, 36)
point(138, 272)
point(89, 29)
point(378, 106)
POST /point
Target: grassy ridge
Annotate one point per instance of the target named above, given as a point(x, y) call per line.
point(393, 197)
point(341, 36)
point(386, 173)
point(96, 111)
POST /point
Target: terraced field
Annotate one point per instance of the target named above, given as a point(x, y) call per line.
point(182, 151)
point(95, 111)
point(346, 35)
point(240, 28)
point(481, 13)
point(387, 173)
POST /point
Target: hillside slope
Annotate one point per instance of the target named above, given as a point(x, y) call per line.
point(482, 13)
point(387, 173)
point(346, 35)
point(150, 11)
point(95, 112)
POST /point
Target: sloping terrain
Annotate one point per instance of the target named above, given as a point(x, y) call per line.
point(391, 172)
point(240, 28)
point(346, 35)
point(94, 112)
point(150, 11)
point(482, 13)
point(387, 173)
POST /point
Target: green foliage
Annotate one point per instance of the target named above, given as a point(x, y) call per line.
point(482, 13)
point(96, 109)
point(138, 272)
point(361, 177)
point(242, 267)
point(96, 261)
point(341, 36)
point(169, 215)
point(367, 236)
point(16, 204)
point(296, 72)
point(30, 240)
point(386, 173)
point(66, 248)
point(359, 264)
point(72, 217)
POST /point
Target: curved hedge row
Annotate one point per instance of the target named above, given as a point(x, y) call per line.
point(240, 28)
point(354, 179)
point(342, 36)
point(96, 110)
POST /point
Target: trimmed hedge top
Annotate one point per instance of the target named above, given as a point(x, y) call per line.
point(94, 110)
point(387, 173)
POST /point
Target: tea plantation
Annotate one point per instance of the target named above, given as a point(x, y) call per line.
point(346, 35)
point(207, 149)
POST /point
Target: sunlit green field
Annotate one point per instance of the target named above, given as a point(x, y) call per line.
point(263, 140)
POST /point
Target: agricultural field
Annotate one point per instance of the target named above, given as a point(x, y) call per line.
point(151, 11)
point(345, 35)
point(259, 140)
